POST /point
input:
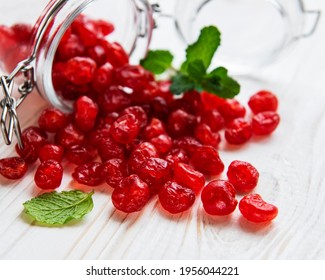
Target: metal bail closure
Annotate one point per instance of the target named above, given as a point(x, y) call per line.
point(9, 120)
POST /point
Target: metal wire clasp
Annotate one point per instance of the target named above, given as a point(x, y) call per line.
point(9, 120)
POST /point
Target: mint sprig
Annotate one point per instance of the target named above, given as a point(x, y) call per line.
point(59, 208)
point(158, 61)
point(194, 74)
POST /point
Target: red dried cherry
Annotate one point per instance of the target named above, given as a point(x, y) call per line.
point(163, 143)
point(188, 177)
point(242, 175)
point(263, 101)
point(52, 119)
point(154, 129)
point(206, 160)
point(188, 144)
point(231, 109)
point(51, 151)
point(125, 129)
point(113, 99)
point(33, 139)
point(69, 135)
point(139, 114)
point(108, 148)
point(204, 134)
point(80, 70)
point(256, 210)
point(265, 123)
point(103, 77)
point(70, 48)
point(213, 119)
point(115, 54)
point(154, 171)
point(49, 175)
point(141, 154)
point(131, 76)
point(218, 198)
point(238, 132)
point(180, 123)
point(131, 195)
point(90, 174)
point(22, 32)
point(175, 198)
point(13, 168)
point(177, 155)
point(80, 154)
point(114, 170)
point(86, 111)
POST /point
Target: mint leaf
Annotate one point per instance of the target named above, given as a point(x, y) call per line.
point(157, 61)
point(219, 83)
point(196, 69)
point(204, 48)
point(181, 83)
point(59, 208)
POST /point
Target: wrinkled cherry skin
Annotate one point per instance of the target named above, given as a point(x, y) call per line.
point(86, 111)
point(51, 151)
point(188, 177)
point(69, 135)
point(163, 143)
point(131, 195)
point(80, 154)
point(206, 160)
point(213, 119)
point(113, 100)
point(125, 129)
point(175, 198)
point(52, 120)
point(242, 175)
point(265, 123)
point(218, 198)
point(256, 210)
point(263, 101)
point(33, 139)
point(108, 148)
point(231, 109)
point(154, 171)
point(49, 175)
point(180, 123)
point(153, 129)
point(131, 76)
point(139, 113)
point(80, 70)
point(204, 134)
point(103, 77)
point(188, 144)
point(114, 170)
point(90, 174)
point(140, 155)
point(13, 168)
point(238, 132)
point(177, 155)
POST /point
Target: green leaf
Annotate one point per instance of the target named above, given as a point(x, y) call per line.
point(157, 61)
point(181, 83)
point(219, 83)
point(196, 69)
point(59, 208)
point(204, 48)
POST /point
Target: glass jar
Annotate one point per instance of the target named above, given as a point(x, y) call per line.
point(254, 33)
point(246, 43)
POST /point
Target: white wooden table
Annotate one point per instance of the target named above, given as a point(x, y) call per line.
point(291, 164)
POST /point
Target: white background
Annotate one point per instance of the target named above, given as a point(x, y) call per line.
point(291, 165)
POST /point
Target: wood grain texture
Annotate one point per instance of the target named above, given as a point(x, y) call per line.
point(291, 164)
